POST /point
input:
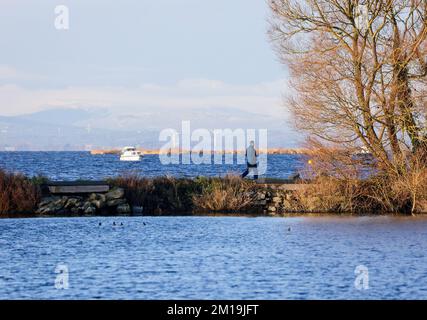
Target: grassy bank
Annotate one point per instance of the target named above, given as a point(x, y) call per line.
point(325, 194)
point(165, 195)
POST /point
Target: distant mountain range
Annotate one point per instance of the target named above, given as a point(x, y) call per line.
point(73, 129)
point(61, 129)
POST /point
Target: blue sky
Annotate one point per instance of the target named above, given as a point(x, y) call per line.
point(154, 61)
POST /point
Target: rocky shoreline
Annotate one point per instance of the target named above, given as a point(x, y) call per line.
point(112, 202)
point(168, 196)
point(267, 200)
point(38, 196)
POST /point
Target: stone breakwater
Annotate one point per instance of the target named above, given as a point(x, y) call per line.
point(268, 201)
point(277, 200)
point(112, 202)
point(265, 199)
point(293, 199)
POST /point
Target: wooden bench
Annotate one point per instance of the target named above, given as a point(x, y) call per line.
point(77, 187)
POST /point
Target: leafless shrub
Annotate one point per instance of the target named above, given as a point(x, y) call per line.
point(403, 191)
point(229, 194)
point(18, 194)
point(357, 86)
point(342, 181)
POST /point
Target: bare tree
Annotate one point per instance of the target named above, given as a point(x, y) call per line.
point(359, 71)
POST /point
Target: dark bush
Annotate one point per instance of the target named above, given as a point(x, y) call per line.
point(18, 194)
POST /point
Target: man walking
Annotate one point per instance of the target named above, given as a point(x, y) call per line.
point(251, 161)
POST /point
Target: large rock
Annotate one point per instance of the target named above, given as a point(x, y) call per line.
point(97, 196)
point(112, 201)
point(52, 205)
point(45, 210)
point(261, 196)
point(116, 202)
point(99, 200)
point(99, 204)
point(271, 209)
point(74, 202)
point(90, 210)
point(277, 199)
point(114, 194)
point(47, 200)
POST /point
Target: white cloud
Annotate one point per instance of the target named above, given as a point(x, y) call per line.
point(184, 97)
point(10, 74)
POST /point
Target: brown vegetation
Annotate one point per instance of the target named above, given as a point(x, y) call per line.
point(157, 195)
point(18, 194)
point(172, 195)
point(359, 71)
point(401, 192)
point(229, 194)
point(340, 182)
point(359, 76)
point(377, 195)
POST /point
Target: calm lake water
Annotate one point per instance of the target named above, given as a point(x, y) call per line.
point(214, 258)
point(83, 165)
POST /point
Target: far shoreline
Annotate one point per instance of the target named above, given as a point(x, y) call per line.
point(117, 151)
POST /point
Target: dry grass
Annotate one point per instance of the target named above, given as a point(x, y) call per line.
point(340, 184)
point(403, 191)
point(171, 195)
point(136, 188)
point(159, 195)
point(229, 194)
point(328, 194)
point(18, 194)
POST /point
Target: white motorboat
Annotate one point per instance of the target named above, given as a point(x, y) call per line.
point(130, 154)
